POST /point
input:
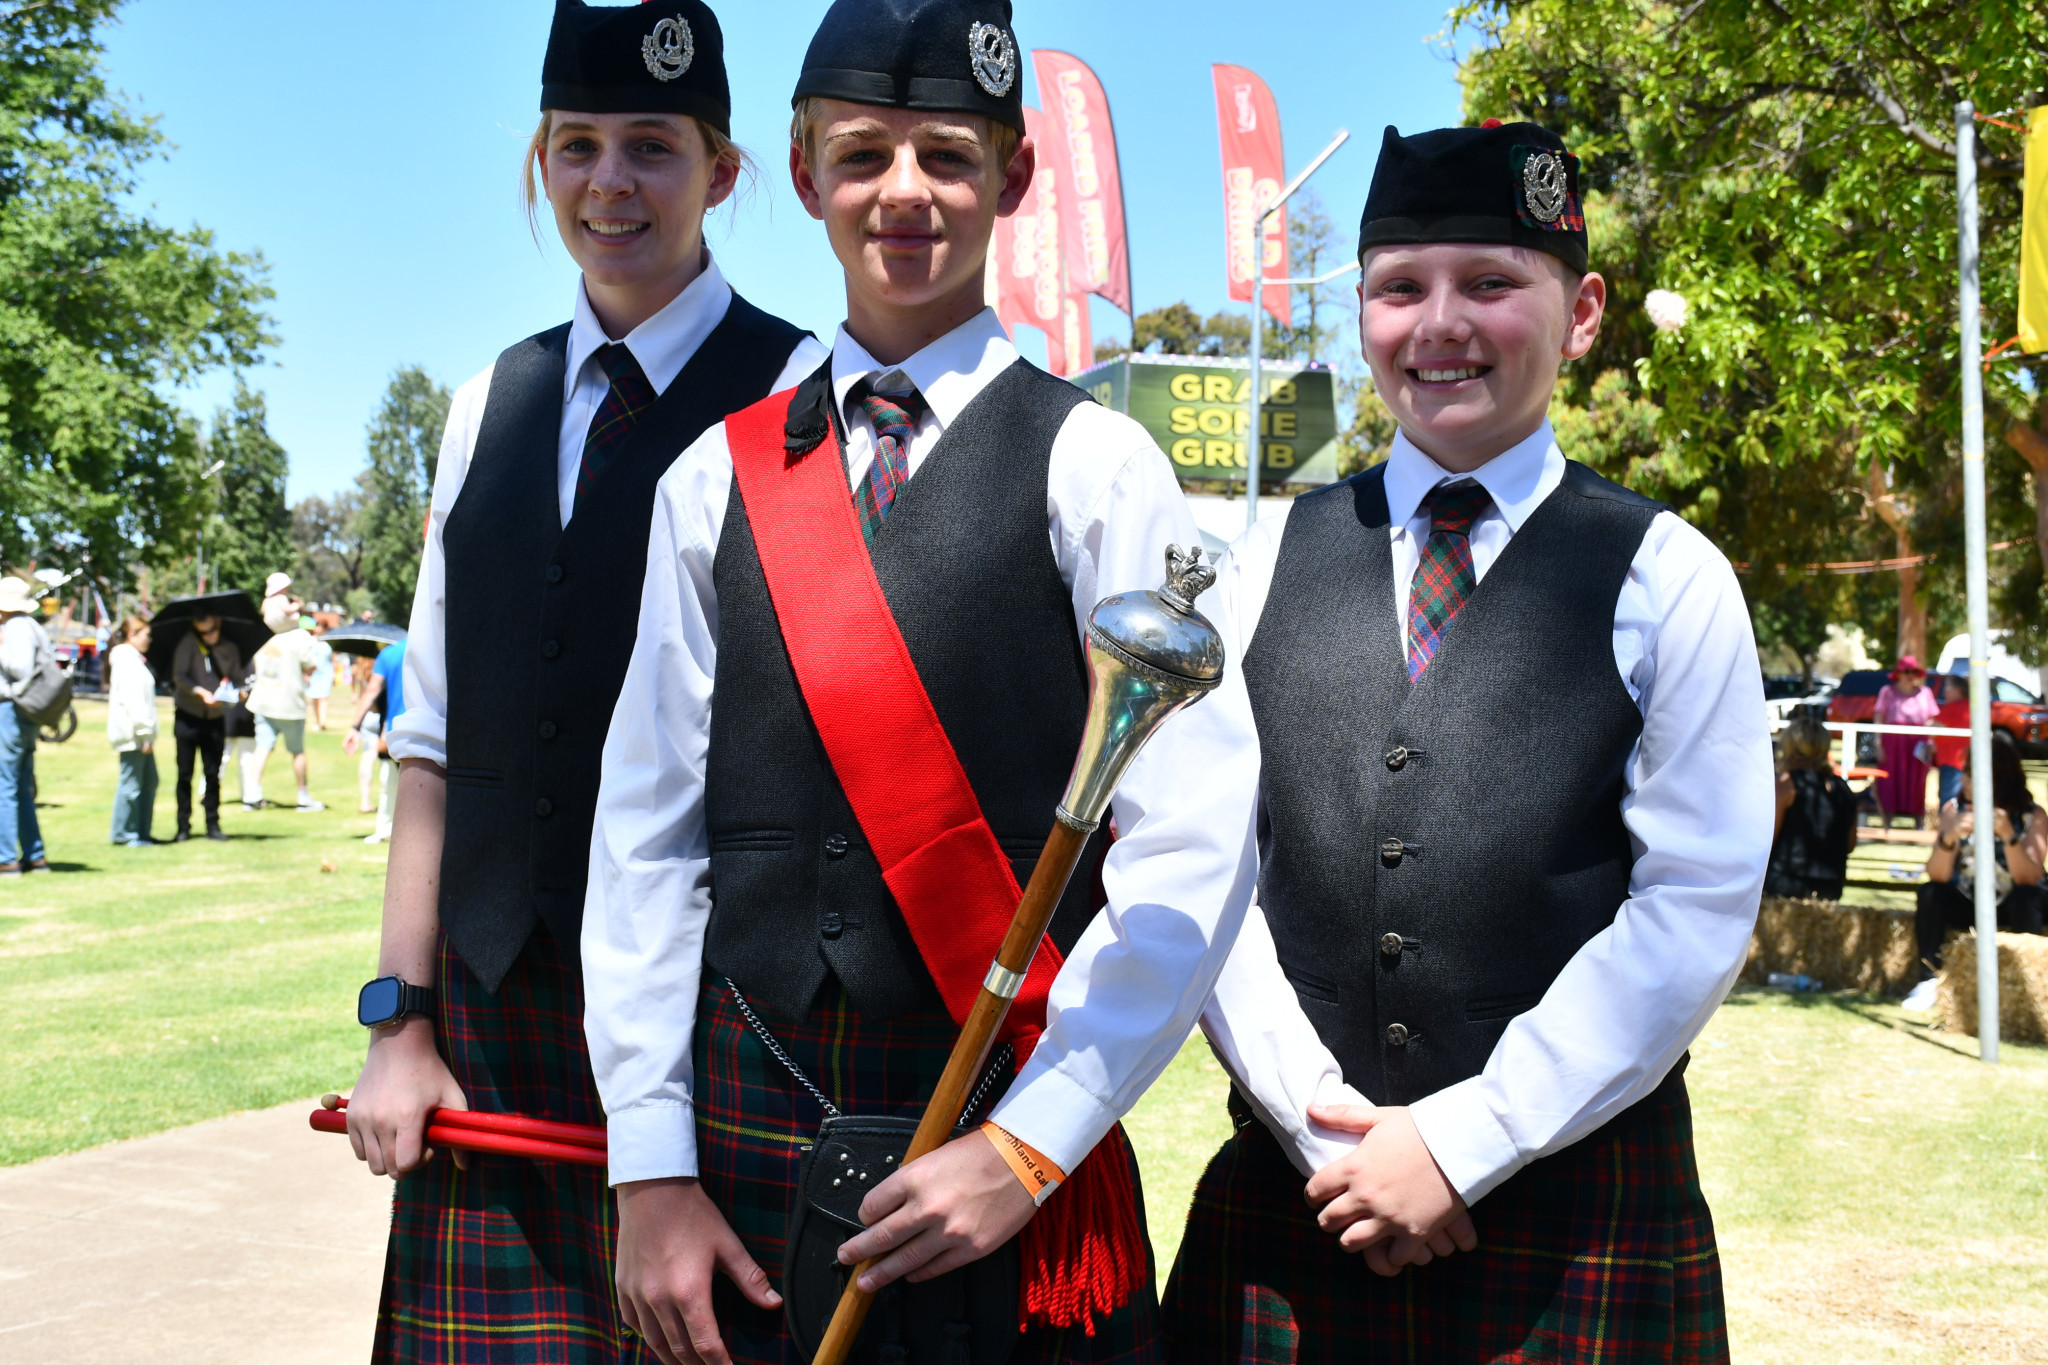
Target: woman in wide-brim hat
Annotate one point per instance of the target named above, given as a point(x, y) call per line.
point(1905, 700)
point(526, 614)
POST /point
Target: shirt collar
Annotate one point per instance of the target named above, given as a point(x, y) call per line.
point(1518, 479)
point(665, 342)
point(949, 372)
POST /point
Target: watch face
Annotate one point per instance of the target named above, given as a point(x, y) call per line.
point(378, 1004)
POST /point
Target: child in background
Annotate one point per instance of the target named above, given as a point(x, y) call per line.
point(131, 729)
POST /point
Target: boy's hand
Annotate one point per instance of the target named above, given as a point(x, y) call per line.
point(1387, 1199)
point(403, 1079)
point(672, 1240)
point(940, 1212)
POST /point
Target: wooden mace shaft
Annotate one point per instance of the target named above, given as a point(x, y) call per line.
point(970, 1053)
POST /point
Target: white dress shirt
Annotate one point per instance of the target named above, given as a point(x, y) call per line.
point(663, 345)
point(1132, 988)
point(1698, 807)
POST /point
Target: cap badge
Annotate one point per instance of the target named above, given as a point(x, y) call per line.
point(994, 55)
point(669, 50)
point(1545, 187)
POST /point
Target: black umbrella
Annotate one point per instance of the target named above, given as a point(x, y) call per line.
point(240, 623)
point(367, 638)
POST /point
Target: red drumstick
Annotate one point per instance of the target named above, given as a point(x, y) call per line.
point(509, 1125)
point(476, 1140)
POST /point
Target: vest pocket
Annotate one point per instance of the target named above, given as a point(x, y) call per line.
point(475, 777)
point(754, 841)
point(1315, 988)
point(1492, 1007)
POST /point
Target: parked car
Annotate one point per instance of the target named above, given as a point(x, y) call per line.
point(1790, 695)
point(2014, 709)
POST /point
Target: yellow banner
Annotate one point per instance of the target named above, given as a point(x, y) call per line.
point(2034, 237)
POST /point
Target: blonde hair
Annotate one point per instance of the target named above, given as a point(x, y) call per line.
point(1001, 138)
point(1806, 744)
point(721, 147)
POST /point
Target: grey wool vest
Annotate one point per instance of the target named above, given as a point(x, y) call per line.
point(541, 621)
point(1433, 855)
point(966, 564)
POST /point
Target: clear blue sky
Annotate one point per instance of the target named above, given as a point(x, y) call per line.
point(371, 150)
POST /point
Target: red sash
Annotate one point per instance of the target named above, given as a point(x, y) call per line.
point(1084, 1253)
point(886, 746)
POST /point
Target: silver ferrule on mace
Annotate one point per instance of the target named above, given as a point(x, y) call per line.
point(1149, 654)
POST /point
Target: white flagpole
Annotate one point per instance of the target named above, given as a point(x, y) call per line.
point(1983, 836)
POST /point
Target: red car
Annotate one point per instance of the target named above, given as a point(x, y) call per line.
point(2014, 709)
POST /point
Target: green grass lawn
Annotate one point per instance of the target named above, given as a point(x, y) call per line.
point(141, 989)
point(1881, 1195)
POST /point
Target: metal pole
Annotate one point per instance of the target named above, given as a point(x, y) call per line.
point(1983, 836)
point(1253, 442)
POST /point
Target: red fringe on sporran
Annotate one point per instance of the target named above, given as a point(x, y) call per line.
point(1085, 1253)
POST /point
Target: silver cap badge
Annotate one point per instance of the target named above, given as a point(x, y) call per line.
point(669, 50)
point(994, 55)
point(1545, 186)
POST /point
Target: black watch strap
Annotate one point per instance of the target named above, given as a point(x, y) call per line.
point(390, 1000)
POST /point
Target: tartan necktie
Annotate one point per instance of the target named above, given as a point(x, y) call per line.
point(630, 395)
point(895, 417)
point(1444, 576)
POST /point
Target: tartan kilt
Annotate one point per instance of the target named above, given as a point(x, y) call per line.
point(753, 1120)
point(509, 1262)
point(1603, 1252)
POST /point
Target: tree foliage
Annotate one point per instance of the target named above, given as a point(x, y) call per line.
point(251, 537)
point(397, 487)
point(1787, 166)
point(328, 536)
point(102, 313)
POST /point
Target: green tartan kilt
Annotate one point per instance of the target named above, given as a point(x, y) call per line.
point(1604, 1252)
point(509, 1262)
point(753, 1119)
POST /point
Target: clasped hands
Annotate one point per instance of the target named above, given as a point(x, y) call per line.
point(1387, 1198)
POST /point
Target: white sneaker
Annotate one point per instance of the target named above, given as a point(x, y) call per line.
point(1920, 1000)
point(374, 839)
point(307, 803)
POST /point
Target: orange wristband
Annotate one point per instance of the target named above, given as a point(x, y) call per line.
point(1040, 1177)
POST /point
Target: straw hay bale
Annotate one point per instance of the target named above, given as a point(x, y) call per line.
point(1845, 947)
point(2022, 986)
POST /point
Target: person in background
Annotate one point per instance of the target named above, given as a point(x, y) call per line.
point(320, 685)
point(1905, 700)
point(1816, 818)
point(131, 729)
point(1952, 752)
point(23, 648)
point(365, 729)
point(385, 691)
point(1947, 900)
point(203, 664)
point(278, 698)
point(277, 597)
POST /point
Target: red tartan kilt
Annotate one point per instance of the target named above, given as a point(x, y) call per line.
point(1603, 1252)
point(753, 1121)
point(510, 1261)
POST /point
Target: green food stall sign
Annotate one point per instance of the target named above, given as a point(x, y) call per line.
point(1197, 410)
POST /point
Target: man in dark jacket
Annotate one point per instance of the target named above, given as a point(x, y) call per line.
point(203, 661)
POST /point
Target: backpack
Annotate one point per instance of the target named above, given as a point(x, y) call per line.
point(45, 694)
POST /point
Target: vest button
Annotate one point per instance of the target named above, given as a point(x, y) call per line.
point(832, 926)
point(835, 846)
point(1391, 850)
point(543, 808)
point(1397, 1035)
point(551, 650)
point(1397, 759)
point(1390, 944)
point(547, 729)
point(554, 573)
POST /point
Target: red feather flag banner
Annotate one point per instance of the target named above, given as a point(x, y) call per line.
point(1080, 142)
point(1254, 168)
point(1030, 286)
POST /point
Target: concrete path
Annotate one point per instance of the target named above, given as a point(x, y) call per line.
point(247, 1239)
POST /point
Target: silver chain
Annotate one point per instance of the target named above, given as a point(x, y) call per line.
point(999, 1062)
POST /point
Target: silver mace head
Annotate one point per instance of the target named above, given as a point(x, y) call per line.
point(1149, 654)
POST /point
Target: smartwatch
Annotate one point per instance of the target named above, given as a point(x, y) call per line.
point(389, 999)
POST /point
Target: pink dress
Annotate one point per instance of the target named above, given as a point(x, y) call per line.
point(1904, 792)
